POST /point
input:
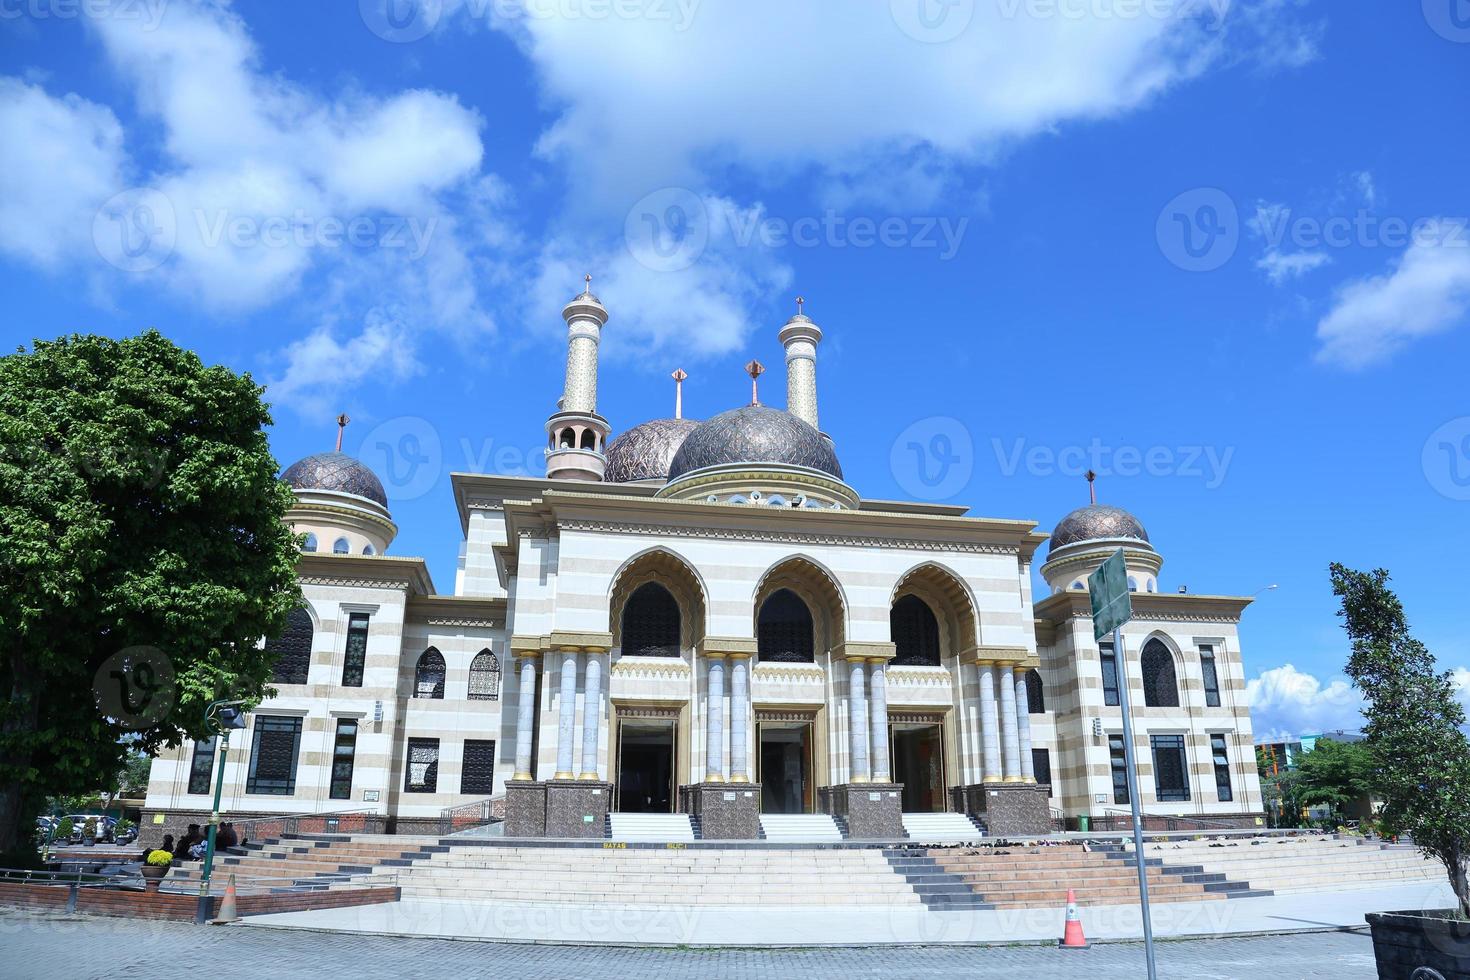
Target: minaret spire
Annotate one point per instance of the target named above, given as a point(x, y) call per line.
point(800, 336)
point(678, 377)
point(755, 369)
point(1092, 486)
point(342, 421)
point(576, 433)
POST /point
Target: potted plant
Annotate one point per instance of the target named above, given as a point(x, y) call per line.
point(1421, 768)
point(155, 867)
point(89, 831)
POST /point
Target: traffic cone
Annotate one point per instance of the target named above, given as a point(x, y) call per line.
point(227, 910)
point(1072, 937)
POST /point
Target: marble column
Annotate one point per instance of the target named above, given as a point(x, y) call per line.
point(525, 717)
point(878, 701)
point(591, 716)
point(739, 717)
point(1023, 725)
point(1010, 741)
point(566, 725)
point(857, 722)
point(714, 745)
point(989, 726)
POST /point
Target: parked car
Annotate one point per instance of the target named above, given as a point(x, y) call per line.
point(104, 825)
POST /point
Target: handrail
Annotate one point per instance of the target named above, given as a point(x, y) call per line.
point(467, 815)
point(332, 822)
point(1171, 821)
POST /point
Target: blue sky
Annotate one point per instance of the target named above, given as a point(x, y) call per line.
point(1215, 248)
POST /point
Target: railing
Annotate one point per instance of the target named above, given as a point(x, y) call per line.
point(1114, 820)
point(480, 813)
point(336, 822)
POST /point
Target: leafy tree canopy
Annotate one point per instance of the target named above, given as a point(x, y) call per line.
point(1335, 774)
point(144, 556)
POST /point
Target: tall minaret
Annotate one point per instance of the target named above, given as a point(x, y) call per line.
point(801, 337)
point(577, 434)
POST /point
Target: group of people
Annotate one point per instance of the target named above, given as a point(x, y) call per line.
point(194, 843)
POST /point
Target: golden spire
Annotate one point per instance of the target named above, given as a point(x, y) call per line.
point(678, 377)
point(755, 369)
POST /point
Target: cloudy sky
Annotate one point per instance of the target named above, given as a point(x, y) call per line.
point(1214, 249)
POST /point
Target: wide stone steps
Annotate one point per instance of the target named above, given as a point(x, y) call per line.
point(653, 827)
point(800, 827)
point(940, 828)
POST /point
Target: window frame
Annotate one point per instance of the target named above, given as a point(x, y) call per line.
point(652, 622)
point(1210, 673)
point(1155, 693)
point(1118, 763)
point(431, 665)
point(1220, 758)
point(275, 724)
point(1112, 692)
point(354, 662)
point(772, 636)
point(341, 739)
point(914, 630)
point(208, 767)
point(1035, 692)
point(298, 621)
point(1041, 765)
point(478, 788)
point(431, 773)
point(1170, 744)
point(492, 692)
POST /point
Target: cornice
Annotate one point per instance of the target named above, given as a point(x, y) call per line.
point(411, 575)
point(786, 537)
point(464, 611)
point(1164, 607)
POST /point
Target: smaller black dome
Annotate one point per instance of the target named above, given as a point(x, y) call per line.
point(645, 451)
point(1096, 522)
point(335, 471)
point(755, 434)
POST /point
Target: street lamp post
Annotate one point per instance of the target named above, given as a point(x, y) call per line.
point(222, 717)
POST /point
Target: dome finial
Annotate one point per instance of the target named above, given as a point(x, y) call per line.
point(800, 301)
point(342, 421)
point(755, 369)
point(587, 289)
point(679, 375)
point(1092, 486)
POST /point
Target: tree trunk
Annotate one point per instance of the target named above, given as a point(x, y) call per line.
point(1459, 866)
point(22, 722)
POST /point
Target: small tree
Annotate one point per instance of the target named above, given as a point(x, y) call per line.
point(1414, 725)
point(1335, 774)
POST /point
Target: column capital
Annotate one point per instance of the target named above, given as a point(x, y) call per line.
point(573, 642)
point(527, 646)
point(869, 651)
point(727, 646)
point(995, 655)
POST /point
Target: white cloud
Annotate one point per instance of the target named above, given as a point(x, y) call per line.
point(62, 158)
point(1287, 703)
point(1426, 292)
point(1282, 266)
point(320, 368)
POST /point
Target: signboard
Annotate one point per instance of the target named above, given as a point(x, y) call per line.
point(1112, 606)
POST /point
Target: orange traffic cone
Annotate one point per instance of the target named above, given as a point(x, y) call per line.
point(1072, 937)
point(227, 910)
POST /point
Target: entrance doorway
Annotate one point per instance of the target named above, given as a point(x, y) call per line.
point(785, 770)
point(918, 763)
point(645, 766)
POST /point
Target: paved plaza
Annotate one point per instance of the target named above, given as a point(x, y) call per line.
point(39, 945)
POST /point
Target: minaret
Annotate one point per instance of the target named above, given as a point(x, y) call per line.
point(801, 336)
point(577, 434)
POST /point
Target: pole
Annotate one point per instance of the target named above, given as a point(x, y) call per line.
point(1131, 764)
point(201, 913)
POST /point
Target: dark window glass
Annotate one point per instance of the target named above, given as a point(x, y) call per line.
point(1212, 677)
point(1041, 766)
point(428, 675)
point(356, 658)
point(785, 630)
point(651, 622)
point(423, 766)
point(1109, 675)
point(1160, 688)
point(201, 766)
point(1119, 761)
point(344, 751)
point(478, 773)
point(1220, 755)
point(1035, 696)
point(915, 633)
point(292, 649)
point(1171, 769)
point(341, 547)
point(485, 677)
point(273, 756)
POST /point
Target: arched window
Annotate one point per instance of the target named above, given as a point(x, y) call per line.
point(428, 676)
point(915, 633)
point(1078, 587)
point(310, 543)
point(1160, 686)
point(784, 629)
point(1132, 584)
point(1035, 696)
point(341, 547)
point(588, 439)
point(292, 649)
point(368, 549)
point(485, 677)
point(651, 622)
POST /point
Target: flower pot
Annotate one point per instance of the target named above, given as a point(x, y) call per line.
point(153, 874)
point(1432, 939)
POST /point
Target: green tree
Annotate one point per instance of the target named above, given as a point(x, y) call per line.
point(1414, 725)
point(1279, 790)
point(144, 556)
point(1335, 774)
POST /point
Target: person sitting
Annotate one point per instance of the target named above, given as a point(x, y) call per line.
point(226, 837)
point(167, 845)
point(190, 838)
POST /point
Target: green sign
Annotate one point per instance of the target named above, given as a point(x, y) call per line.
point(1111, 604)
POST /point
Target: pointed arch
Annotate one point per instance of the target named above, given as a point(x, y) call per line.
point(914, 629)
point(485, 676)
point(669, 571)
point(815, 585)
point(946, 593)
point(292, 649)
point(1160, 674)
point(428, 675)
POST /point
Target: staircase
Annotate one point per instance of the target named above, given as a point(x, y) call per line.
point(320, 860)
point(1298, 864)
point(804, 828)
point(652, 827)
point(940, 828)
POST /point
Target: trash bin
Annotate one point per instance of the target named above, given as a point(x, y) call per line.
point(1084, 823)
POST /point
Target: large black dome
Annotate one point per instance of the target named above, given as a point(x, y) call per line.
point(335, 471)
point(1096, 522)
point(755, 434)
point(645, 451)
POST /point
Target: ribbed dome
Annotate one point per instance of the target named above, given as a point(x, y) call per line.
point(645, 451)
point(755, 434)
point(335, 471)
point(1095, 522)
